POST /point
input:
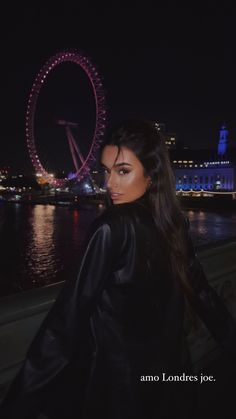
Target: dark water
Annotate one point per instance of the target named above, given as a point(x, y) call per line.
point(208, 227)
point(41, 244)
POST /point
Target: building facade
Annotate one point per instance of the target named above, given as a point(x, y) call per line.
point(216, 177)
point(218, 174)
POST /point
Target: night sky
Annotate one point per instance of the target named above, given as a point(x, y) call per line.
point(173, 65)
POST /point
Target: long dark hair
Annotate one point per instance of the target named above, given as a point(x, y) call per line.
point(147, 143)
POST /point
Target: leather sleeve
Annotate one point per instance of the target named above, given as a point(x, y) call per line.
point(208, 305)
point(66, 329)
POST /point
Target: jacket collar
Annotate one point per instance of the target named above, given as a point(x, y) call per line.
point(143, 200)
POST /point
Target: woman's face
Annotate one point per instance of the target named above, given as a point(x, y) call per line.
point(124, 175)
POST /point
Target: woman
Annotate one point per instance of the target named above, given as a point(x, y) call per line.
point(122, 319)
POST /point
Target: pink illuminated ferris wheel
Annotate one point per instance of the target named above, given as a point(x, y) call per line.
point(81, 162)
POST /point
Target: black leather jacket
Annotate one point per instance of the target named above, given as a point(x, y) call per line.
point(122, 318)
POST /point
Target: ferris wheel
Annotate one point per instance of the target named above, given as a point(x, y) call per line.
point(81, 162)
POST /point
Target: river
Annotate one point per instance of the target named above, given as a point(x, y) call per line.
point(40, 244)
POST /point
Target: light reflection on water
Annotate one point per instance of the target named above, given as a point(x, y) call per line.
point(41, 244)
point(208, 227)
point(40, 256)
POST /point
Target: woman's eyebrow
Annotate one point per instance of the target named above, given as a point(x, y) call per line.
point(117, 165)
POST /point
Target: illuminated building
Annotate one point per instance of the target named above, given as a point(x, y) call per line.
point(217, 174)
point(170, 138)
point(4, 172)
point(223, 142)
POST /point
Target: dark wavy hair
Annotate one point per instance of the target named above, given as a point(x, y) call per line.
point(147, 143)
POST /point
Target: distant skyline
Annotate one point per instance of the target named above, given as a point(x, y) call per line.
point(182, 74)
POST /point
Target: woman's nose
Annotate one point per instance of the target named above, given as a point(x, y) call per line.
point(111, 181)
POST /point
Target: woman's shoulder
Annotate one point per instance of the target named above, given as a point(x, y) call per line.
point(109, 226)
point(109, 219)
point(112, 215)
point(121, 213)
point(121, 221)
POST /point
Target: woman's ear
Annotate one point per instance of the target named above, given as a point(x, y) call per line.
point(149, 181)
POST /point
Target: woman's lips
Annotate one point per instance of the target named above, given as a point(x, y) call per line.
point(115, 196)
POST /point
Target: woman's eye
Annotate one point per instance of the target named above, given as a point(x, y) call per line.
point(123, 171)
point(120, 171)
